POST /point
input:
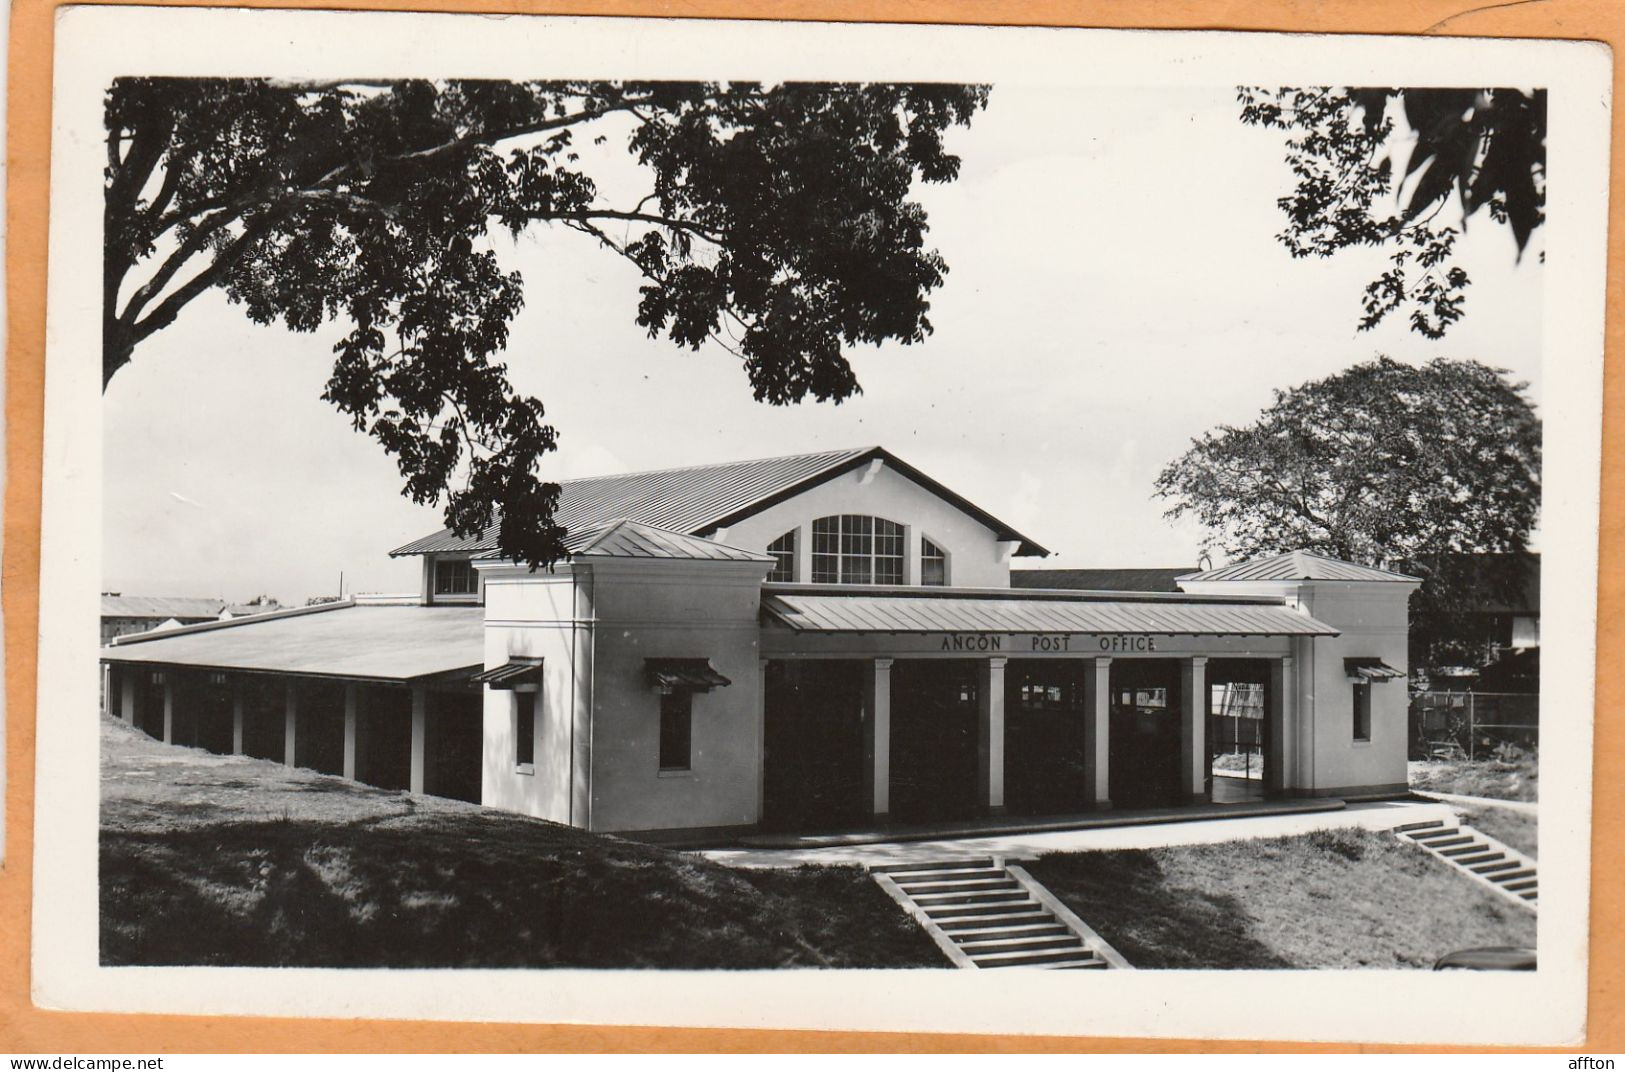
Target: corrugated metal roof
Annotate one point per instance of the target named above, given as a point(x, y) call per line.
point(630, 539)
point(382, 643)
point(1296, 566)
point(895, 613)
point(699, 499)
point(161, 607)
point(1101, 580)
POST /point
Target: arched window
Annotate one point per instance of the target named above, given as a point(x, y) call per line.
point(783, 551)
point(933, 563)
point(857, 549)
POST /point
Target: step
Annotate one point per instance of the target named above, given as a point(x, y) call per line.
point(1406, 828)
point(1095, 962)
point(1507, 876)
point(1443, 831)
point(967, 886)
point(1035, 958)
point(981, 863)
point(1526, 884)
point(1481, 858)
point(1013, 930)
point(955, 924)
point(987, 898)
point(955, 913)
point(1446, 842)
point(1476, 847)
point(1487, 869)
point(1029, 944)
point(1530, 895)
point(946, 875)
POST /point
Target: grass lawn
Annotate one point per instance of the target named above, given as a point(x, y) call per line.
point(1515, 780)
point(230, 861)
point(1518, 829)
point(1331, 899)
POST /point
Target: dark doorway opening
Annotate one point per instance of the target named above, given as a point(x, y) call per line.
point(1044, 721)
point(319, 736)
point(933, 740)
point(813, 766)
point(1237, 729)
point(1144, 747)
point(149, 702)
point(210, 703)
point(385, 722)
point(265, 702)
point(454, 739)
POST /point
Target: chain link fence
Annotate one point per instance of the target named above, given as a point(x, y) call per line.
point(1473, 725)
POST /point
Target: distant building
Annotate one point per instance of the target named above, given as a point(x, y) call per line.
point(123, 615)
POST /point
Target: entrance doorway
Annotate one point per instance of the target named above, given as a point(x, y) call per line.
point(812, 776)
point(1144, 747)
point(1237, 729)
point(1044, 722)
point(933, 740)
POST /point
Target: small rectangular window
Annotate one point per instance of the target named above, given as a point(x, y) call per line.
point(1362, 711)
point(455, 577)
point(676, 729)
point(524, 707)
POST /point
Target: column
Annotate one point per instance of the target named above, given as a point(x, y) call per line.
point(804, 553)
point(169, 707)
point(349, 730)
point(290, 725)
point(1097, 731)
point(1194, 762)
point(126, 695)
point(420, 733)
point(761, 738)
point(236, 716)
point(877, 738)
point(1278, 747)
point(990, 734)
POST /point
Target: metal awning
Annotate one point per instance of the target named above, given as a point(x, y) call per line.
point(1369, 669)
point(511, 675)
point(696, 675)
point(825, 612)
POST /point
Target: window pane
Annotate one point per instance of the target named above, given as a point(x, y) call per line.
point(676, 719)
point(824, 569)
point(933, 563)
point(1362, 712)
point(783, 551)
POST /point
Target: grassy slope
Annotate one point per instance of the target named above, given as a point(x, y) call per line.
point(1518, 780)
point(1333, 899)
point(224, 860)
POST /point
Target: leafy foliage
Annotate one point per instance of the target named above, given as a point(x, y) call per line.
point(1418, 469)
point(1361, 182)
point(776, 221)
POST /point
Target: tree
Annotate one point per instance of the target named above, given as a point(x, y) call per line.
point(1433, 471)
point(1362, 182)
point(776, 220)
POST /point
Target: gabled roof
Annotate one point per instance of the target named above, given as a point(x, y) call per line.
point(1101, 580)
point(161, 607)
point(695, 500)
point(1296, 566)
point(624, 538)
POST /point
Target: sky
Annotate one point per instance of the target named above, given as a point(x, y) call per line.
point(1115, 290)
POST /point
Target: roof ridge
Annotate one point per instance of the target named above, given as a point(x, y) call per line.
point(847, 452)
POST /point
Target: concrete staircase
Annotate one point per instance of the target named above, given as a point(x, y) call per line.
point(989, 913)
point(1478, 856)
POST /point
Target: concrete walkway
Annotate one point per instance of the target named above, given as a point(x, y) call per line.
point(1524, 806)
point(1384, 815)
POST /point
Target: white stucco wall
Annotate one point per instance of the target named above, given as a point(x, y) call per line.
point(975, 555)
point(532, 615)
